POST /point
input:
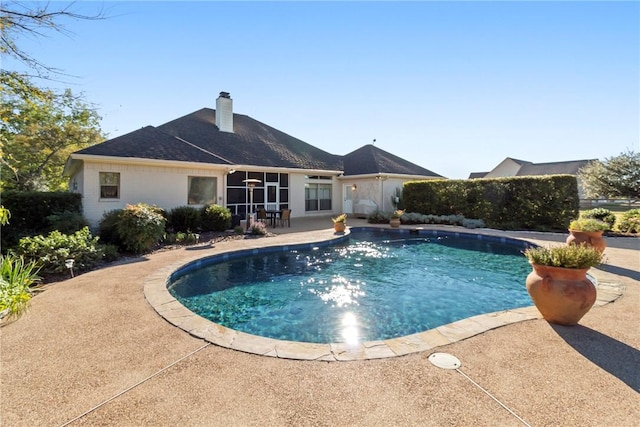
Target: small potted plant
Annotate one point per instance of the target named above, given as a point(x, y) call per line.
point(394, 219)
point(340, 223)
point(558, 284)
point(588, 231)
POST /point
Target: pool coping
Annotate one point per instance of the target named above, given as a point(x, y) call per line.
point(158, 296)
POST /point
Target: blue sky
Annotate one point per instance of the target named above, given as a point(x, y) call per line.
point(452, 86)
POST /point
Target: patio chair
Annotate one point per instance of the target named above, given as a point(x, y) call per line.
point(262, 215)
point(285, 216)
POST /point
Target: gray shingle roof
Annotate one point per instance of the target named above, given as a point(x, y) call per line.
point(196, 138)
point(554, 168)
point(150, 143)
point(372, 160)
point(251, 143)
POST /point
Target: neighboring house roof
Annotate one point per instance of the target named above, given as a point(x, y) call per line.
point(372, 160)
point(475, 175)
point(535, 169)
point(554, 168)
point(196, 138)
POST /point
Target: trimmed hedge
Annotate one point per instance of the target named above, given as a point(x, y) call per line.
point(528, 203)
point(34, 212)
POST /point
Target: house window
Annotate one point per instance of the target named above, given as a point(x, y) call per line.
point(202, 190)
point(109, 185)
point(317, 197)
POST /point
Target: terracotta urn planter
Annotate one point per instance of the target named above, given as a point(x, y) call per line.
point(591, 238)
point(394, 222)
point(562, 295)
point(339, 227)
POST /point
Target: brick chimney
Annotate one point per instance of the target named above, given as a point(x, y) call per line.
point(224, 112)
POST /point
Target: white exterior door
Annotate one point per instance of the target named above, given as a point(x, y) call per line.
point(347, 199)
point(271, 202)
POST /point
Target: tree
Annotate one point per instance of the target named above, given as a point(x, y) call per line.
point(41, 128)
point(32, 19)
point(617, 176)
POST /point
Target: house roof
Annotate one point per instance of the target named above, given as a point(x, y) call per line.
point(196, 138)
point(476, 175)
point(151, 143)
point(251, 143)
point(554, 168)
point(370, 159)
point(535, 169)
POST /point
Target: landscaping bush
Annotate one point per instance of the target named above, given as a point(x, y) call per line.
point(140, 227)
point(107, 228)
point(216, 218)
point(67, 222)
point(184, 219)
point(258, 228)
point(16, 277)
point(53, 250)
point(30, 211)
point(531, 203)
point(601, 214)
point(629, 222)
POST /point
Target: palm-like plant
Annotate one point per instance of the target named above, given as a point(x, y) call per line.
point(16, 277)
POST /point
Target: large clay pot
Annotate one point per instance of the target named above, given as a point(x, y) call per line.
point(394, 222)
point(562, 295)
point(339, 227)
point(591, 238)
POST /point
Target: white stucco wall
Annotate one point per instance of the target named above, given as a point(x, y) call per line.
point(166, 187)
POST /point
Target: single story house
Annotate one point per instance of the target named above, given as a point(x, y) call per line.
point(515, 167)
point(208, 157)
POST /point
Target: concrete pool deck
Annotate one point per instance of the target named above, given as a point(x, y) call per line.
point(92, 351)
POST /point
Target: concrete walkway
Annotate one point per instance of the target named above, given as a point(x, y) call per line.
point(92, 351)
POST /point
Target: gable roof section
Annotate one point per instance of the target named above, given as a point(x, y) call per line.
point(554, 168)
point(372, 160)
point(476, 175)
point(251, 143)
point(150, 143)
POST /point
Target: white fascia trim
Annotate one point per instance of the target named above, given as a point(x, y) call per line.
point(222, 167)
point(389, 175)
point(256, 168)
point(149, 162)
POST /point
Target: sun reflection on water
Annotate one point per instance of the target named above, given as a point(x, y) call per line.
point(349, 329)
point(341, 292)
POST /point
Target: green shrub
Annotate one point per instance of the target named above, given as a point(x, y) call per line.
point(216, 218)
point(30, 211)
point(377, 217)
point(187, 238)
point(107, 228)
point(629, 221)
point(588, 224)
point(53, 250)
point(140, 227)
point(258, 228)
point(184, 218)
point(601, 214)
point(566, 256)
point(529, 203)
point(16, 276)
point(238, 230)
point(67, 222)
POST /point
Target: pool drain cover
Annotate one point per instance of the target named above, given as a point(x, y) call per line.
point(444, 361)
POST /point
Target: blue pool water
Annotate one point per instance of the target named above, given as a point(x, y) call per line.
point(376, 285)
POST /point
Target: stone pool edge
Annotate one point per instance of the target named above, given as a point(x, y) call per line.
point(158, 296)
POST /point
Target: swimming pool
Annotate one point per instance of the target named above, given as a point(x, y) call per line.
point(378, 285)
